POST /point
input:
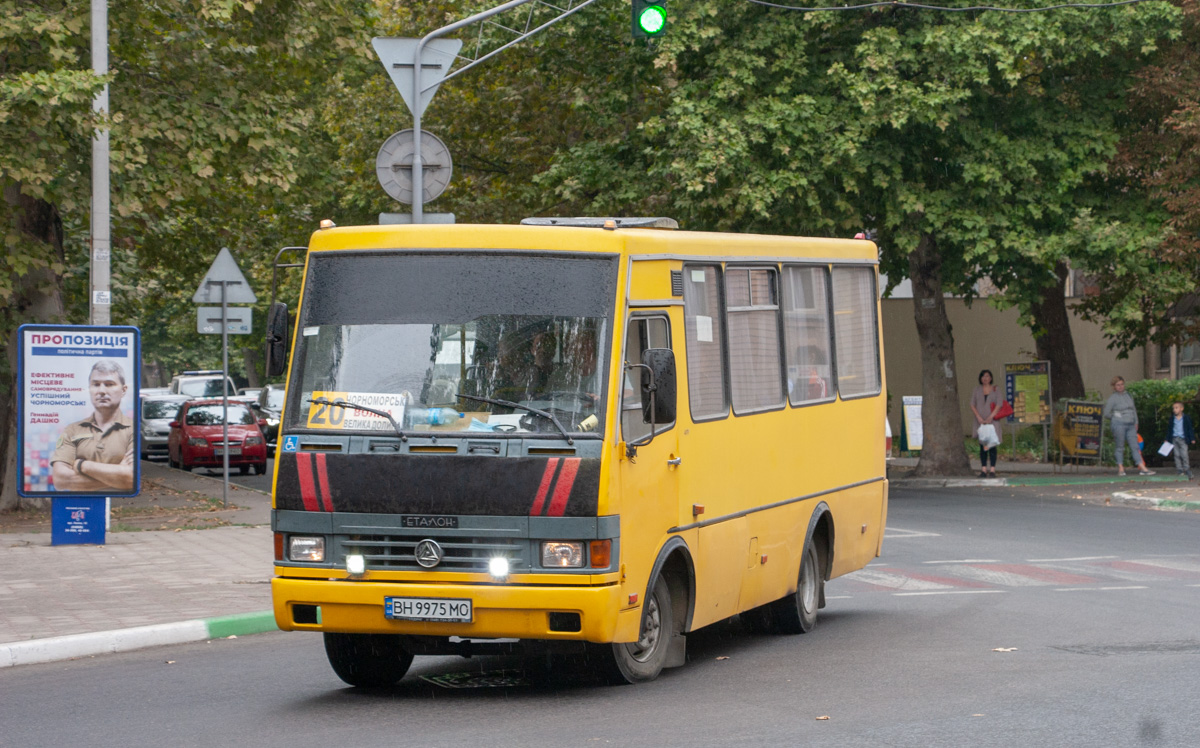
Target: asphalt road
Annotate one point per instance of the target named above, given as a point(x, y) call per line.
point(256, 482)
point(996, 617)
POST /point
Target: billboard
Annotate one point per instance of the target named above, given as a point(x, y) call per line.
point(78, 424)
point(1027, 389)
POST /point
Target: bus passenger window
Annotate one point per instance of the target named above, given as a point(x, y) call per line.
point(854, 304)
point(753, 319)
point(704, 336)
point(643, 333)
point(806, 334)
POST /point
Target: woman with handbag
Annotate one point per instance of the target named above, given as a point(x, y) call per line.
point(985, 400)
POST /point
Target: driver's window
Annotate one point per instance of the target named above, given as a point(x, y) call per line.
point(643, 333)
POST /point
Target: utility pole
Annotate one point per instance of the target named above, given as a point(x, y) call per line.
point(100, 296)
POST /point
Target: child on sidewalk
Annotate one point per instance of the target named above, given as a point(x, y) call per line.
point(1182, 436)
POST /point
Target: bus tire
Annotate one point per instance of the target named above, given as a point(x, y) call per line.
point(797, 613)
point(643, 660)
point(367, 660)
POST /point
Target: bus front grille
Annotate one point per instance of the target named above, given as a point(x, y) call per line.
point(458, 553)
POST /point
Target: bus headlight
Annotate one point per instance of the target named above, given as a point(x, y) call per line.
point(356, 564)
point(498, 567)
point(303, 548)
point(562, 554)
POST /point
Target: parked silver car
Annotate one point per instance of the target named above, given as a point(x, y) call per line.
point(157, 413)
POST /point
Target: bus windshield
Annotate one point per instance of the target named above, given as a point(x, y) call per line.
point(421, 336)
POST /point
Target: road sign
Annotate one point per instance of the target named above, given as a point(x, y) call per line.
point(224, 271)
point(394, 166)
point(237, 320)
point(399, 56)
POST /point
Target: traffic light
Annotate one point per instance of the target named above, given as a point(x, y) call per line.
point(649, 18)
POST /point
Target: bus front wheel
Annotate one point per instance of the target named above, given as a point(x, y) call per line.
point(367, 660)
point(797, 613)
point(643, 660)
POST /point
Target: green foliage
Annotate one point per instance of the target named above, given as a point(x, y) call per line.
point(1153, 398)
point(217, 140)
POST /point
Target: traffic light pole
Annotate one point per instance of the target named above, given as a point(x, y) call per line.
point(418, 169)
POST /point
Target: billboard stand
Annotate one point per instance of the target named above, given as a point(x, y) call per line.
point(78, 424)
point(1027, 389)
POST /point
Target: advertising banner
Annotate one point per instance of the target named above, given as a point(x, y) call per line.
point(1027, 389)
point(78, 424)
point(1079, 429)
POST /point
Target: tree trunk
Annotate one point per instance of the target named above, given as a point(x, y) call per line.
point(250, 358)
point(942, 453)
point(37, 297)
point(1055, 343)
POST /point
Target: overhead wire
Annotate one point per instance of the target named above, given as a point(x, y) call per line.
point(943, 8)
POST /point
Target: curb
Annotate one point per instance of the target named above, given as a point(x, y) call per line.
point(1150, 502)
point(58, 648)
point(947, 482)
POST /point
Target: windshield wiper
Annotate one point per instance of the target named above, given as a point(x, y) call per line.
point(511, 404)
point(356, 406)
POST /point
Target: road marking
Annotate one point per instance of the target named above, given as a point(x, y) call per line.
point(965, 561)
point(1151, 569)
point(1176, 564)
point(838, 597)
point(1054, 560)
point(894, 581)
point(946, 592)
point(1104, 589)
point(896, 532)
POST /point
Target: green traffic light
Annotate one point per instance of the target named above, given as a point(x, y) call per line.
point(652, 19)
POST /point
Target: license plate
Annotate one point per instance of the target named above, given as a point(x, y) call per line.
point(218, 451)
point(427, 609)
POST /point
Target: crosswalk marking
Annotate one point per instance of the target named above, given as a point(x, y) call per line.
point(1075, 574)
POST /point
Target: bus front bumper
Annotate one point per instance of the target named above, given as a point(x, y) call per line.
point(498, 611)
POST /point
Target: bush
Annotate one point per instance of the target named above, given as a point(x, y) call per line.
point(1153, 398)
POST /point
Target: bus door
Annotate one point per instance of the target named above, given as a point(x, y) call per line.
point(648, 478)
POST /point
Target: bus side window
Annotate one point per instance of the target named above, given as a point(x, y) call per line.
point(643, 333)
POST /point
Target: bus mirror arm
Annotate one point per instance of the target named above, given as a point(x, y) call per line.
point(658, 394)
point(649, 390)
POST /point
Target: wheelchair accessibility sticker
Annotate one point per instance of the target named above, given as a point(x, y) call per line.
point(291, 443)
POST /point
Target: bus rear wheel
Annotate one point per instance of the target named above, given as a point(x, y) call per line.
point(643, 660)
point(367, 660)
point(797, 613)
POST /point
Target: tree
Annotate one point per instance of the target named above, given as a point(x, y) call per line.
point(213, 106)
point(956, 136)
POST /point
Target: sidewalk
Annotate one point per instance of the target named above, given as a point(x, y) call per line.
point(1164, 490)
point(143, 587)
point(150, 586)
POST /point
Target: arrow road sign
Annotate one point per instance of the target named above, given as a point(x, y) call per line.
point(398, 57)
point(224, 270)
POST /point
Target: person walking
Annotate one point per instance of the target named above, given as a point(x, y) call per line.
point(984, 402)
point(1124, 422)
point(1182, 436)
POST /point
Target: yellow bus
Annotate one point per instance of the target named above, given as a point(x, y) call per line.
point(593, 434)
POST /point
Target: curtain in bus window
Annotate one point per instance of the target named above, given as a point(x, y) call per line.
point(754, 371)
point(855, 328)
point(702, 330)
point(806, 334)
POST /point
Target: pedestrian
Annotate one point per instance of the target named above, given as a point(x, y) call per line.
point(984, 402)
point(1182, 436)
point(1124, 422)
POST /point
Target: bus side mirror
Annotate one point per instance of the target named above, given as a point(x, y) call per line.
point(277, 333)
point(658, 389)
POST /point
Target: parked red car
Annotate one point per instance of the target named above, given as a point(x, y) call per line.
point(195, 439)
